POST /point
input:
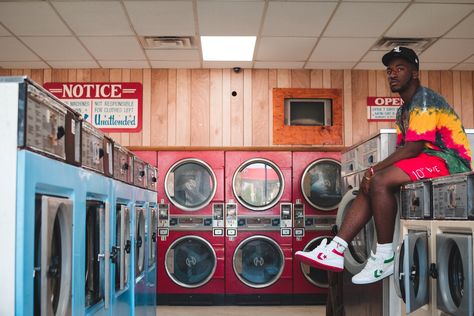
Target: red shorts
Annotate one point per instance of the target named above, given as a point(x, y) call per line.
point(423, 167)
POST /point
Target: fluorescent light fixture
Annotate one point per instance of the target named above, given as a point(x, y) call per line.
point(228, 48)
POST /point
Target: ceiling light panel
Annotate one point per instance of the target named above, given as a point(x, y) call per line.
point(32, 18)
point(161, 18)
point(297, 19)
point(229, 18)
point(92, 18)
point(227, 48)
point(363, 19)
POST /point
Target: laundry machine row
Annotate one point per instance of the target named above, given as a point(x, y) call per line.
point(216, 205)
point(78, 217)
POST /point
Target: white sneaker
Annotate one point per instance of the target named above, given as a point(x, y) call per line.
point(323, 257)
point(376, 269)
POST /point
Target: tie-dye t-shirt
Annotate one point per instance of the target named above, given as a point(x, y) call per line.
point(429, 117)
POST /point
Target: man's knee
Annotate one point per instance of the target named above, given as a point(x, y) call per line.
point(386, 181)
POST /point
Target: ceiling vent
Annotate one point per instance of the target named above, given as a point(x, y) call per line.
point(167, 42)
point(417, 44)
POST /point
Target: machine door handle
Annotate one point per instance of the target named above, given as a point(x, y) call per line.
point(142, 173)
point(139, 241)
point(128, 246)
point(125, 166)
point(114, 254)
point(153, 237)
point(60, 133)
point(101, 153)
point(100, 256)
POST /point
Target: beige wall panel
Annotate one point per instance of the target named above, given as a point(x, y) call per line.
point(136, 75)
point(300, 78)
point(237, 109)
point(215, 108)
point(359, 105)
point(59, 75)
point(159, 107)
point(98, 75)
point(226, 109)
point(47, 75)
point(284, 78)
point(248, 107)
point(326, 78)
point(383, 90)
point(5, 72)
point(434, 81)
point(125, 137)
point(83, 75)
point(200, 84)
point(146, 127)
point(347, 99)
point(116, 76)
point(457, 104)
point(446, 83)
point(316, 78)
point(260, 106)
point(72, 75)
point(37, 75)
point(172, 88)
point(372, 91)
point(467, 100)
point(272, 83)
point(183, 107)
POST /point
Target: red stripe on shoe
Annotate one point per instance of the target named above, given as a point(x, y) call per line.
point(338, 252)
point(317, 264)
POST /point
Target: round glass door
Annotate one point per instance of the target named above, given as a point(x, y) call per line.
point(258, 184)
point(190, 184)
point(258, 261)
point(315, 276)
point(321, 184)
point(190, 261)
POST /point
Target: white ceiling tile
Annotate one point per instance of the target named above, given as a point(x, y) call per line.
point(363, 19)
point(124, 64)
point(374, 56)
point(428, 19)
point(175, 64)
point(465, 29)
point(23, 65)
point(445, 1)
point(57, 48)
point(31, 18)
point(173, 54)
point(470, 60)
point(74, 64)
point(442, 51)
point(465, 66)
point(329, 65)
point(279, 64)
point(13, 50)
point(226, 64)
point(4, 32)
point(95, 18)
point(341, 49)
point(114, 48)
point(285, 48)
point(229, 18)
point(436, 66)
point(370, 66)
point(161, 18)
point(297, 19)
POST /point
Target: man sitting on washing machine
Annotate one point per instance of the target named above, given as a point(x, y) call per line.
point(431, 142)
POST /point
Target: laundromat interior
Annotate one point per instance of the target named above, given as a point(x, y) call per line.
point(146, 175)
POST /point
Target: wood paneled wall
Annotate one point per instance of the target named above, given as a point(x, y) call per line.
point(195, 107)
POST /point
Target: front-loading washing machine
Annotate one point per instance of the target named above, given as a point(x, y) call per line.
point(190, 258)
point(258, 181)
point(259, 257)
point(192, 182)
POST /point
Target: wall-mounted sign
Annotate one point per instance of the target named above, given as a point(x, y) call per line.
point(383, 109)
point(109, 106)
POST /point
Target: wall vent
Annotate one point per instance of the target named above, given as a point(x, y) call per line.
point(167, 42)
point(417, 44)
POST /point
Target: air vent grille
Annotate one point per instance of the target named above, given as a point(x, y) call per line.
point(417, 44)
point(167, 42)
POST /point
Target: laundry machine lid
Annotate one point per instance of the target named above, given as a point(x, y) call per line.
point(321, 184)
point(314, 275)
point(412, 270)
point(190, 261)
point(258, 184)
point(454, 262)
point(190, 184)
point(258, 261)
point(359, 249)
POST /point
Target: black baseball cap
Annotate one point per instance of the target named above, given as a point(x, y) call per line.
point(401, 52)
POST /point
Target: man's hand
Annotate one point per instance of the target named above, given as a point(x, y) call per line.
point(365, 183)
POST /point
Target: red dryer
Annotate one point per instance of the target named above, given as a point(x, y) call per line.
point(317, 192)
point(258, 181)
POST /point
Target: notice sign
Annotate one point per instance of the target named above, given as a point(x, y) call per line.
point(109, 106)
point(383, 109)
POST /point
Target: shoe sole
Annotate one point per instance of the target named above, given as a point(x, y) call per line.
point(317, 264)
point(383, 276)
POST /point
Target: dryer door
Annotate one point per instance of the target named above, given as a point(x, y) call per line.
point(122, 235)
point(358, 251)
point(321, 184)
point(190, 261)
point(412, 271)
point(55, 237)
point(258, 261)
point(190, 184)
point(315, 276)
point(454, 262)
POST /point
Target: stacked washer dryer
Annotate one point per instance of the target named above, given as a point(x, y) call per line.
point(258, 242)
point(378, 298)
point(317, 191)
point(191, 227)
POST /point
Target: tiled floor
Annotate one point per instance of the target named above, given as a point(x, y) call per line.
point(240, 310)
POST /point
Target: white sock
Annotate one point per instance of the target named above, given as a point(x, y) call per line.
point(339, 244)
point(385, 250)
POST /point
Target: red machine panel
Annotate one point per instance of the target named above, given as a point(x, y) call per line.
point(149, 156)
point(317, 181)
point(258, 181)
point(258, 263)
point(191, 181)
